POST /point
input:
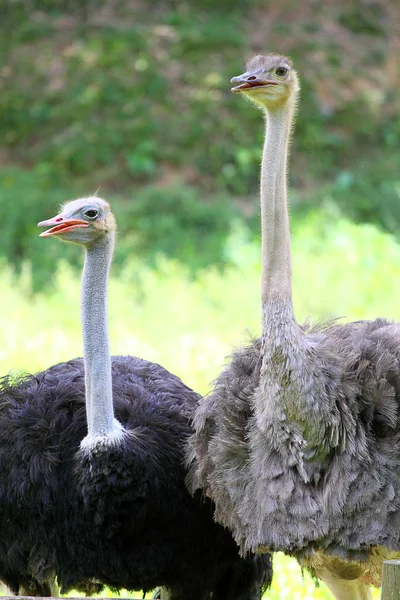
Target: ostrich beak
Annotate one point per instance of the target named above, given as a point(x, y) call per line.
point(61, 224)
point(249, 80)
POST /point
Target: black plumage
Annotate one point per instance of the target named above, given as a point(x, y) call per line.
point(92, 487)
point(121, 515)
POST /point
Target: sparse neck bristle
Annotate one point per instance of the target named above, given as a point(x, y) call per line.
point(276, 256)
point(99, 398)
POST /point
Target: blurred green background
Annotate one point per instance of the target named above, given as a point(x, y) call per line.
point(132, 98)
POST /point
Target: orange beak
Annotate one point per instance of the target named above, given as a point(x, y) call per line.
point(248, 81)
point(61, 224)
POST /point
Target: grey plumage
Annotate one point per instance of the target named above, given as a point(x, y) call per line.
point(298, 443)
point(338, 496)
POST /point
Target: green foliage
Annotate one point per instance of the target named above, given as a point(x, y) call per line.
point(27, 198)
point(364, 21)
point(117, 96)
point(370, 193)
point(203, 316)
point(176, 222)
point(112, 93)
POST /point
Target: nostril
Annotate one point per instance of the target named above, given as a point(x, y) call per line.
point(252, 78)
point(59, 219)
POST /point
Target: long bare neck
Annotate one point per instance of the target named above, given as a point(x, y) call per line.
point(276, 286)
point(276, 260)
point(291, 398)
point(99, 398)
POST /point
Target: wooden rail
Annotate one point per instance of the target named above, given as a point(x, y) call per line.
point(391, 580)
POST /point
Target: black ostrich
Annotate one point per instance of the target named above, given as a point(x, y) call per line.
point(299, 442)
point(91, 499)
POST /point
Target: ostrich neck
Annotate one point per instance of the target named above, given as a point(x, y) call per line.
point(276, 261)
point(291, 393)
point(282, 338)
point(278, 323)
point(99, 399)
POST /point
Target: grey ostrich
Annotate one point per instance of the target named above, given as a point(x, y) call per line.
point(298, 444)
point(92, 481)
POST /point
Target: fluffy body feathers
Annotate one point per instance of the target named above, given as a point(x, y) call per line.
point(118, 516)
point(339, 497)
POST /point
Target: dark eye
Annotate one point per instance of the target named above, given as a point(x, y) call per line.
point(91, 213)
point(281, 71)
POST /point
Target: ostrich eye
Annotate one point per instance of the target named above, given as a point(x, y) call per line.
point(91, 213)
point(281, 71)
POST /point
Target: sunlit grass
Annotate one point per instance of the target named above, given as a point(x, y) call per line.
point(289, 584)
point(189, 326)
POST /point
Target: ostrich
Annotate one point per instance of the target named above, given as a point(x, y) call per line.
point(298, 444)
point(93, 493)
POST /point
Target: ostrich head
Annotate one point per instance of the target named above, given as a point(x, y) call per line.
point(269, 81)
point(84, 221)
point(90, 223)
